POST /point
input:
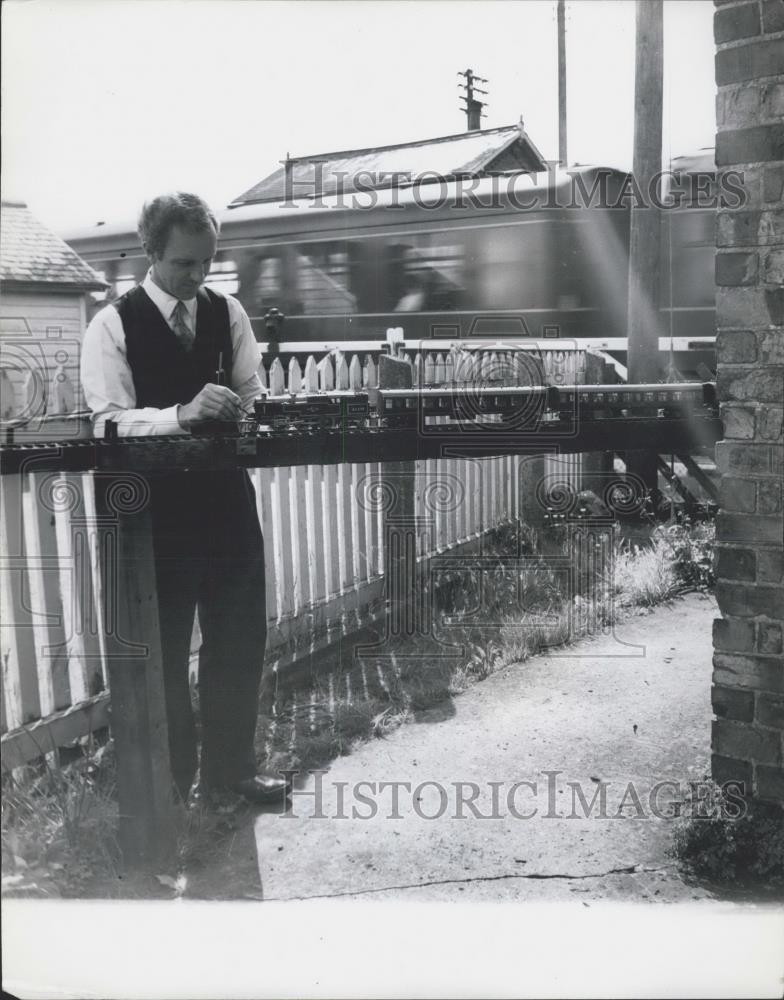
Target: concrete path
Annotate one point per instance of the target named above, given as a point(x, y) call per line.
point(629, 708)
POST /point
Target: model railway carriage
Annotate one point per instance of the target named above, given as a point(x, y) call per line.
point(540, 256)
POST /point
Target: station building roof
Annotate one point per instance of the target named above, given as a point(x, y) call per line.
point(31, 254)
point(481, 153)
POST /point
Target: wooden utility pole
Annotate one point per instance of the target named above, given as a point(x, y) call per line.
point(645, 238)
point(473, 105)
point(562, 154)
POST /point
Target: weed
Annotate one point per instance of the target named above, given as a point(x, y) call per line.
point(720, 846)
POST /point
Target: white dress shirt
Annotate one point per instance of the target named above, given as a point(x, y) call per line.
point(106, 374)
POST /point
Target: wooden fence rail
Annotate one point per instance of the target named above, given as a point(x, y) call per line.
point(323, 528)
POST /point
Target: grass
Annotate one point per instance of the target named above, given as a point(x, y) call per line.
point(534, 592)
point(59, 825)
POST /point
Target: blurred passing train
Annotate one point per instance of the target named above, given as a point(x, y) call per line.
point(509, 256)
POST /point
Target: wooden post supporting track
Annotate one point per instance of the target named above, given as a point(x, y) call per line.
point(645, 239)
point(405, 615)
point(135, 668)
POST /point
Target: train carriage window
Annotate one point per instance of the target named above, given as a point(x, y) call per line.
point(122, 283)
point(260, 283)
point(321, 278)
point(426, 274)
point(223, 277)
point(515, 266)
point(688, 250)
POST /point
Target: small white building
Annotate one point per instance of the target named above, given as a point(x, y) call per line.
point(44, 287)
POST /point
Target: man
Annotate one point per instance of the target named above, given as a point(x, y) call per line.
point(149, 363)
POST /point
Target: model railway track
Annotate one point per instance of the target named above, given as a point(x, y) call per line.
point(389, 425)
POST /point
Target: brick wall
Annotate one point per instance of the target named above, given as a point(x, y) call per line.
point(748, 675)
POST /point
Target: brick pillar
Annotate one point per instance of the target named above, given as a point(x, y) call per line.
point(748, 675)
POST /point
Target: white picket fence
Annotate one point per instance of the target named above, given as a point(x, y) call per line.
point(324, 535)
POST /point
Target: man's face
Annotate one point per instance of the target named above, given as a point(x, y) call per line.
point(185, 262)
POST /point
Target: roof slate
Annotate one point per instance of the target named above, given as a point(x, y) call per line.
point(468, 154)
point(33, 254)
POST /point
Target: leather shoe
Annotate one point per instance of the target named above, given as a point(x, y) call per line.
point(262, 788)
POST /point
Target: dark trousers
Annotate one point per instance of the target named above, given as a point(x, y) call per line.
point(209, 554)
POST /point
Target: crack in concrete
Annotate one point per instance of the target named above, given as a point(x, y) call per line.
point(624, 870)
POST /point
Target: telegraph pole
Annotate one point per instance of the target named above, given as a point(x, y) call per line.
point(645, 237)
point(473, 106)
point(562, 154)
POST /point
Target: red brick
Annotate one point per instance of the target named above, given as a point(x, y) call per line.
point(732, 599)
point(759, 673)
point(748, 62)
point(772, 16)
point(749, 458)
point(736, 564)
point(773, 267)
point(726, 769)
point(750, 179)
point(736, 269)
point(757, 386)
point(738, 494)
point(770, 711)
point(769, 499)
point(777, 460)
point(774, 302)
point(733, 636)
point(736, 346)
point(746, 742)
point(770, 783)
point(750, 145)
point(732, 703)
point(732, 23)
point(750, 228)
point(772, 349)
point(772, 100)
point(768, 601)
point(738, 422)
point(739, 528)
point(770, 566)
point(770, 423)
point(769, 637)
point(737, 107)
point(738, 600)
point(773, 184)
point(736, 307)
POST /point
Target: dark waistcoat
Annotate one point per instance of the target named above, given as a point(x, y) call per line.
point(195, 514)
point(164, 373)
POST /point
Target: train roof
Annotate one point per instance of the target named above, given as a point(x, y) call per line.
point(704, 160)
point(470, 197)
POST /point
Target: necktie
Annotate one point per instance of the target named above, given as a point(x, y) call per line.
point(180, 325)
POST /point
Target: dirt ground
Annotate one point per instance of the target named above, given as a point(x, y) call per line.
point(619, 715)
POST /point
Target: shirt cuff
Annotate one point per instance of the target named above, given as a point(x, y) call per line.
point(170, 418)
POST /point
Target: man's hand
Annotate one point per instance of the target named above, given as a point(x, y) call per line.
point(214, 402)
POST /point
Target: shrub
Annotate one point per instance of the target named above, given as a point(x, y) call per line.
point(690, 547)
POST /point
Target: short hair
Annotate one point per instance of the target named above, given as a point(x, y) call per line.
point(159, 216)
